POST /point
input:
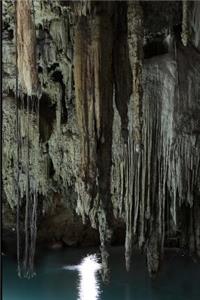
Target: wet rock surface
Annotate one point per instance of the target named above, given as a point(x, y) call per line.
point(87, 161)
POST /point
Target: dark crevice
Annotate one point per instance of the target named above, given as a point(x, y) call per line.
point(52, 67)
point(40, 69)
point(58, 77)
point(154, 48)
point(51, 169)
point(177, 30)
point(10, 34)
point(47, 117)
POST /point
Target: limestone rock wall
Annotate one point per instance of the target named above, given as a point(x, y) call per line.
point(87, 155)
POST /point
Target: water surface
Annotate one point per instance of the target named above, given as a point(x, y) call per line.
point(60, 277)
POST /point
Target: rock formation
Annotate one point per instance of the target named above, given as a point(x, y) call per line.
point(102, 119)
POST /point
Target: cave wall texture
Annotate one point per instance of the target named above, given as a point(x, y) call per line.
point(109, 106)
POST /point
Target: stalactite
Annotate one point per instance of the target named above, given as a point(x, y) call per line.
point(26, 42)
point(27, 122)
point(158, 165)
point(122, 70)
point(135, 44)
point(18, 173)
point(85, 98)
point(94, 96)
point(185, 22)
point(27, 208)
point(195, 24)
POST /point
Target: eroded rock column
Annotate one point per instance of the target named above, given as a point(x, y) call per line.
point(94, 107)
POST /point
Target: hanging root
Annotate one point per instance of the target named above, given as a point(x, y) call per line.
point(27, 209)
point(28, 157)
point(18, 174)
point(27, 84)
point(33, 231)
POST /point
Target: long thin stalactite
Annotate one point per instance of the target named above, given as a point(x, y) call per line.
point(18, 167)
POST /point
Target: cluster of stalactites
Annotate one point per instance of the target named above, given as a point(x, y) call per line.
point(132, 150)
point(82, 8)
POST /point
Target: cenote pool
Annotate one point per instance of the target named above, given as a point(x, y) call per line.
point(73, 275)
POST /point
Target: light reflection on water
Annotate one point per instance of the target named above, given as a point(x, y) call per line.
point(89, 287)
point(177, 280)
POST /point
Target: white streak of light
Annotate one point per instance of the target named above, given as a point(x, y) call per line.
point(89, 286)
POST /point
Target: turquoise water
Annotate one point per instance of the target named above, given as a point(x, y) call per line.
point(179, 279)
